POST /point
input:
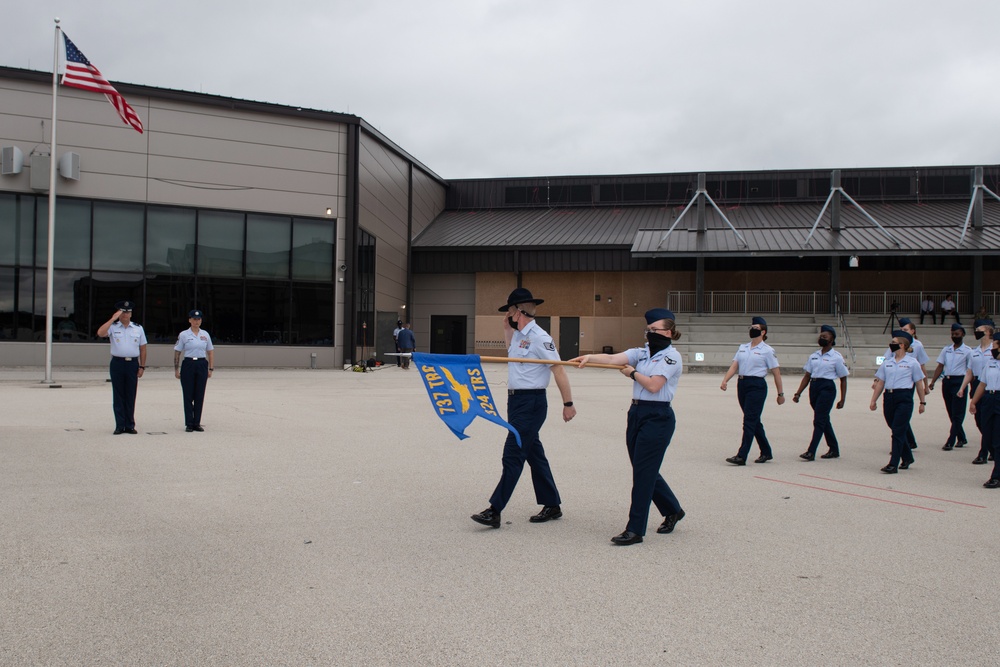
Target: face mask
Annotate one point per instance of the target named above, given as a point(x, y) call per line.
point(824, 342)
point(980, 334)
point(755, 333)
point(957, 340)
point(657, 342)
point(512, 323)
point(894, 347)
point(995, 352)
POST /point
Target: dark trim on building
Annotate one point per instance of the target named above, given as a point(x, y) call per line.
point(351, 241)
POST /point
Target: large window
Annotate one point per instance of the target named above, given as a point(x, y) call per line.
point(268, 242)
point(170, 241)
point(220, 243)
point(72, 246)
point(260, 279)
point(117, 236)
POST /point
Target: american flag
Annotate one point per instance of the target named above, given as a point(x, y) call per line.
point(81, 74)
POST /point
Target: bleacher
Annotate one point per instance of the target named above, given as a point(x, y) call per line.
point(710, 341)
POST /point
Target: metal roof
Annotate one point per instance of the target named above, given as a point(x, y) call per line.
point(769, 229)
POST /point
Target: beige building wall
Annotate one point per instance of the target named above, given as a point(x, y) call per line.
point(443, 294)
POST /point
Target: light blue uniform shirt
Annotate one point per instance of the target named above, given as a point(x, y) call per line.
point(991, 375)
point(826, 366)
point(755, 361)
point(126, 341)
point(916, 351)
point(978, 359)
point(666, 362)
point(531, 342)
point(194, 346)
point(902, 374)
point(955, 362)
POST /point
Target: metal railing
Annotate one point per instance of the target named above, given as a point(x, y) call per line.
point(845, 334)
point(817, 303)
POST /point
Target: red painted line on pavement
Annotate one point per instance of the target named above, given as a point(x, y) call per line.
point(905, 493)
point(845, 493)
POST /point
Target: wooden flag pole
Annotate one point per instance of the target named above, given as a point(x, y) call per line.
point(509, 360)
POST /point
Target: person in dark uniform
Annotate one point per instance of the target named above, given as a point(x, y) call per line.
point(128, 362)
point(821, 369)
point(527, 408)
point(406, 342)
point(898, 375)
point(395, 340)
point(655, 371)
point(986, 401)
point(753, 361)
point(195, 345)
point(954, 361)
point(980, 354)
point(918, 352)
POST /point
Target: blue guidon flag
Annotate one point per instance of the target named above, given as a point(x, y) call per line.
point(458, 391)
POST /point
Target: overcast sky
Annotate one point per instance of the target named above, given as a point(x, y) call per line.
point(492, 88)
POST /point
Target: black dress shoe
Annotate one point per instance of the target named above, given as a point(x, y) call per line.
point(488, 517)
point(763, 458)
point(132, 431)
point(948, 447)
point(992, 484)
point(199, 428)
point(669, 522)
point(737, 460)
point(548, 512)
point(626, 538)
point(889, 470)
point(831, 455)
point(904, 466)
point(808, 456)
point(118, 431)
point(189, 429)
point(979, 461)
point(961, 443)
point(913, 445)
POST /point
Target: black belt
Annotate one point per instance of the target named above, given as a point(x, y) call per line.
point(820, 380)
point(889, 391)
point(750, 377)
point(636, 401)
point(194, 358)
point(513, 392)
point(954, 377)
point(124, 358)
point(991, 391)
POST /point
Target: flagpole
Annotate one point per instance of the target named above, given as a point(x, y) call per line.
point(52, 211)
point(511, 360)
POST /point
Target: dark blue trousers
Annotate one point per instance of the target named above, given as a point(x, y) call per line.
point(989, 408)
point(194, 378)
point(822, 394)
point(124, 383)
point(897, 408)
point(526, 413)
point(752, 392)
point(984, 445)
point(955, 407)
point(647, 436)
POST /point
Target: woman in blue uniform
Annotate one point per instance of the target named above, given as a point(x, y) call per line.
point(986, 405)
point(195, 345)
point(980, 355)
point(823, 367)
point(898, 375)
point(752, 362)
point(655, 370)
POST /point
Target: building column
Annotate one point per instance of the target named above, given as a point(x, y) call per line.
point(976, 291)
point(834, 283)
point(699, 285)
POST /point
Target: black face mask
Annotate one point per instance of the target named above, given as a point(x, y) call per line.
point(995, 352)
point(657, 342)
point(755, 333)
point(894, 347)
point(957, 340)
point(979, 334)
point(824, 342)
point(512, 323)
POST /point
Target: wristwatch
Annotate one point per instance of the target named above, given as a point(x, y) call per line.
point(632, 375)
